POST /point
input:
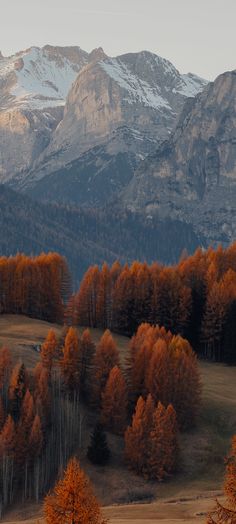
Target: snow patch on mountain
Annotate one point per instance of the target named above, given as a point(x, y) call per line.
point(138, 89)
point(43, 78)
point(39, 81)
point(192, 84)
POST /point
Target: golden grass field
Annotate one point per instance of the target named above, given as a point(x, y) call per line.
point(190, 494)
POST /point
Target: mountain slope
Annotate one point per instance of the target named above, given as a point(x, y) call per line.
point(88, 237)
point(33, 89)
point(138, 91)
point(192, 176)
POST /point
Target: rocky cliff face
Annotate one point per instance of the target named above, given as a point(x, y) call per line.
point(192, 176)
point(140, 92)
point(33, 89)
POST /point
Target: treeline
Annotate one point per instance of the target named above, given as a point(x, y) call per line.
point(34, 286)
point(146, 400)
point(195, 298)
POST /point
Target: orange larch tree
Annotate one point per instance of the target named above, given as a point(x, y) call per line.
point(49, 350)
point(137, 435)
point(162, 443)
point(115, 402)
point(17, 389)
point(73, 500)
point(106, 357)
point(87, 352)
point(227, 513)
point(70, 363)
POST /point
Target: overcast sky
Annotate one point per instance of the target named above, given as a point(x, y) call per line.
point(195, 35)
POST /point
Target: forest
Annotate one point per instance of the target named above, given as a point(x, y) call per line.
point(195, 298)
point(35, 286)
point(147, 399)
point(42, 410)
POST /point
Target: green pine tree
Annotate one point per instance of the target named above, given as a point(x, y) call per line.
point(98, 450)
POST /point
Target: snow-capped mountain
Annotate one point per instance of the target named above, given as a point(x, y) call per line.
point(58, 103)
point(33, 89)
point(39, 78)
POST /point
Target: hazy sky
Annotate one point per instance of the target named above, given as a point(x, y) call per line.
point(196, 35)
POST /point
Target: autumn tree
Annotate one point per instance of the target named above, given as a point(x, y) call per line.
point(151, 445)
point(2, 414)
point(5, 368)
point(162, 443)
point(173, 378)
point(72, 499)
point(106, 357)
point(42, 394)
point(137, 435)
point(70, 363)
point(17, 389)
point(227, 513)
point(114, 402)
point(7, 455)
point(48, 350)
point(86, 298)
point(98, 451)
point(87, 352)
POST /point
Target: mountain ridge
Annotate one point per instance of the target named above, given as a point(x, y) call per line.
point(56, 103)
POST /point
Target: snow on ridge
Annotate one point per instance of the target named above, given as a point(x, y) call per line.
point(40, 81)
point(43, 78)
point(138, 90)
point(192, 85)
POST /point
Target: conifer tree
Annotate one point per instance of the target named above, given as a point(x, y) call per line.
point(70, 363)
point(114, 402)
point(42, 395)
point(87, 352)
point(137, 435)
point(106, 357)
point(36, 437)
point(73, 500)
point(49, 350)
point(8, 437)
point(17, 389)
point(226, 513)
point(2, 414)
point(5, 367)
point(98, 450)
point(162, 445)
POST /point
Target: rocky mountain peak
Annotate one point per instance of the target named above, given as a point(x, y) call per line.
point(97, 54)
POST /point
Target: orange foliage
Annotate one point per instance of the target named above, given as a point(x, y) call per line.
point(106, 357)
point(72, 500)
point(48, 350)
point(227, 514)
point(114, 402)
point(151, 446)
point(70, 363)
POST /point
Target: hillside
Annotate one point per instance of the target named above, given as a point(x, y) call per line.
point(88, 237)
point(190, 493)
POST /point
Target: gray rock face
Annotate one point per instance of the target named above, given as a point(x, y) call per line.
point(192, 176)
point(138, 91)
point(33, 89)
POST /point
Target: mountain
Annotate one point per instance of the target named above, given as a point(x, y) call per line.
point(192, 176)
point(88, 236)
point(33, 87)
point(127, 105)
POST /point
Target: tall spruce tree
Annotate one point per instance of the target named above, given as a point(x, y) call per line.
point(98, 450)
